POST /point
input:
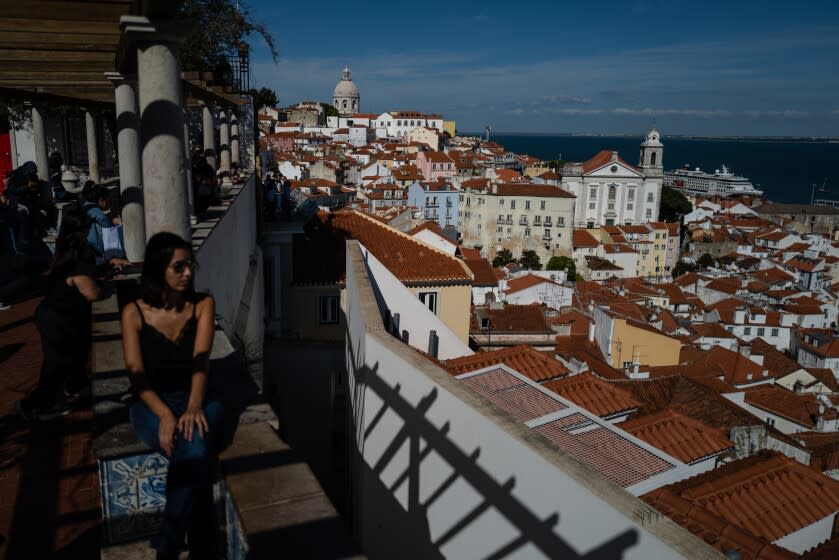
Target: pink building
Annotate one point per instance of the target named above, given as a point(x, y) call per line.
point(436, 166)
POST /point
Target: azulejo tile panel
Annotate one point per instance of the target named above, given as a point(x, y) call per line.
point(133, 490)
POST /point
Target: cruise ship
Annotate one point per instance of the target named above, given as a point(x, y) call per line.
point(721, 183)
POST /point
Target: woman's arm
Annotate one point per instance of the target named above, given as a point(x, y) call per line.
point(87, 286)
point(99, 217)
point(194, 415)
point(131, 325)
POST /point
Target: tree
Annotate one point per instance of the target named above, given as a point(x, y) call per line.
point(502, 257)
point(530, 260)
point(218, 29)
point(673, 205)
point(682, 268)
point(563, 263)
point(555, 164)
point(706, 261)
point(330, 110)
point(263, 97)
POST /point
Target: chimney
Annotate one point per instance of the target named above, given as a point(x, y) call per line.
point(745, 350)
point(591, 331)
point(614, 156)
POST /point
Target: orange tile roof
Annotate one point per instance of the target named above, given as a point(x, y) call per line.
point(737, 369)
point(581, 348)
point(773, 359)
point(801, 408)
point(710, 330)
point(602, 158)
point(536, 365)
point(513, 319)
point(412, 261)
point(482, 270)
point(678, 435)
point(578, 320)
point(469, 253)
point(595, 395)
point(769, 495)
point(526, 281)
point(690, 397)
point(583, 238)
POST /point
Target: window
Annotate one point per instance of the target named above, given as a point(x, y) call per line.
point(560, 221)
point(592, 205)
point(592, 194)
point(512, 205)
point(774, 332)
point(328, 306)
point(429, 299)
point(630, 194)
point(500, 229)
point(629, 207)
point(501, 202)
point(500, 217)
point(548, 221)
point(547, 234)
point(747, 331)
point(527, 232)
point(612, 192)
point(649, 213)
point(650, 197)
point(760, 331)
point(542, 205)
point(627, 365)
point(537, 221)
point(527, 205)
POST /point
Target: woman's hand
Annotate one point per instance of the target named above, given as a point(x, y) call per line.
point(193, 418)
point(117, 220)
point(166, 433)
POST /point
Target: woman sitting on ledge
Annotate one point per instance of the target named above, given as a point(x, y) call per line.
point(167, 337)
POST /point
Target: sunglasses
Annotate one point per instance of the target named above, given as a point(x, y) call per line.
point(180, 266)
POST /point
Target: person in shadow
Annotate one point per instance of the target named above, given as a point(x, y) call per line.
point(167, 338)
point(64, 320)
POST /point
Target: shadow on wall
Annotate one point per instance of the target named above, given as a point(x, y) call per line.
point(377, 503)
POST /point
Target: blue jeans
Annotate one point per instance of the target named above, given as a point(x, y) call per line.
point(189, 481)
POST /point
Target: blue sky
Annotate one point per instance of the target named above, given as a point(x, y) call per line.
point(715, 68)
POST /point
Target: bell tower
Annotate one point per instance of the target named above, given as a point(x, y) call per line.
point(652, 154)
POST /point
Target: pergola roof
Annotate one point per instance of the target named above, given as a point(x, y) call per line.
point(62, 49)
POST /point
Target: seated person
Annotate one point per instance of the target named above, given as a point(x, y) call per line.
point(95, 204)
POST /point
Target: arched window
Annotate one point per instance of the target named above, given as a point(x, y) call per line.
point(652, 158)
point(336, 103)
point(354, 104)
point(345, 103)
point(612, 192)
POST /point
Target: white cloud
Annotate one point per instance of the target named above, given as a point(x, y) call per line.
point(787, 113)
point(648, 112)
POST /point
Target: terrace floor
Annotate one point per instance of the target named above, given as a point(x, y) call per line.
point(49, 481)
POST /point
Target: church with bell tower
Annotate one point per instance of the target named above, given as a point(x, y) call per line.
point(611, 191)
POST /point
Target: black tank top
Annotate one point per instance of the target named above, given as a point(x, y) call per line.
point(168, 364)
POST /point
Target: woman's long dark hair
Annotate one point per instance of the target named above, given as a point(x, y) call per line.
point(72, 251)
point(159, 251)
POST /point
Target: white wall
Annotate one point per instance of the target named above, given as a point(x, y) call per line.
point(426, 452)
point(547, 293)
point(808, 537)
point(231, 270)
point(436, 241)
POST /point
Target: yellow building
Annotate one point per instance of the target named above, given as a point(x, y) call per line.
point(626, 342)
point(450, 127)
point(442, 282)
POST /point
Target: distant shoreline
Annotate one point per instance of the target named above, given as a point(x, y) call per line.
point(800, 139)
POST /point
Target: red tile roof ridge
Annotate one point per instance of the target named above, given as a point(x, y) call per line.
point(534, 364)
point(678, 435)
point(594, 394)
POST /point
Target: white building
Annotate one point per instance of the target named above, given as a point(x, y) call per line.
point(610, 191)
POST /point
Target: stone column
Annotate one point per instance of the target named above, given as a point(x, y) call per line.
point(161, 124)
point(90, 125)
point(234, 137)
point(39, 138)
point(224, 146)
point(209, 127)
point(130, 166)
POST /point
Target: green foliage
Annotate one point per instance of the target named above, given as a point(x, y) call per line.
point(530, 260)
point(706, 261)
point(262, 97)
point(563, 263)
point(330, 110)
point(673, 205)
point(555, 164)
point(218, 29)
point(502, 257)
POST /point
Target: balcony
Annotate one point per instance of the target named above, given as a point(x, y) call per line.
point(523, 221)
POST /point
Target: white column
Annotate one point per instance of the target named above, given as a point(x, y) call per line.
point(130, 166)
point(90, 122)
point(234, 137)
point(39, 138)
point(209, 129)
point(13, 145)
point(224, 146)
point(161, 125)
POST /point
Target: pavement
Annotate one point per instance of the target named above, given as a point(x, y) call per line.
point(49, 479)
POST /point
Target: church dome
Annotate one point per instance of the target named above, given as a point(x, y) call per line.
point(346, 87)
